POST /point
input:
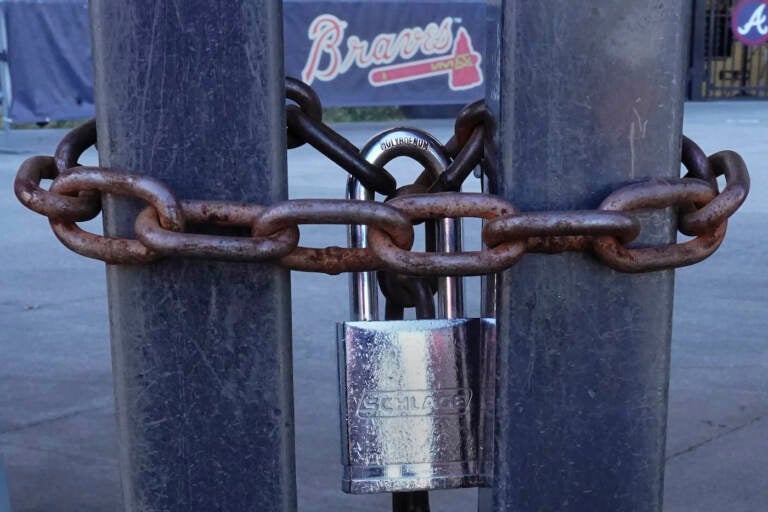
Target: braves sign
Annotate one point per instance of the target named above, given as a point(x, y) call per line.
point(422, 52)
point(749, 22)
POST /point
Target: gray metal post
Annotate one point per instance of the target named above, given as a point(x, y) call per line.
point(192, 93)
point(588, 96)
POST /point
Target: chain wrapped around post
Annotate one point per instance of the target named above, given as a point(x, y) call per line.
point(166, 228)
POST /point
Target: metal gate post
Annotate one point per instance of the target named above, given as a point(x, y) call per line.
point(192, 92)
point(588, 96)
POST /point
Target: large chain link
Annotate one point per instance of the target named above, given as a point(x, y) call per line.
point(163, 228)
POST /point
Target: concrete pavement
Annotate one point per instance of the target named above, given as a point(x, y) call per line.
point(57, 429)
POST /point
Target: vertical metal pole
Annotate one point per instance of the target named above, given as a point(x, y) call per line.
point(588, 96)
point(192, 92)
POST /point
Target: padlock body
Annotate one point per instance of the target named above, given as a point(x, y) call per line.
point(415, 397)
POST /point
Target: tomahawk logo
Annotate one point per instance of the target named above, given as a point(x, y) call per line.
point(333, 54)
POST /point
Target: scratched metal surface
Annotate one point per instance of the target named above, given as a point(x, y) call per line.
point(583, 365)
point(192, 93)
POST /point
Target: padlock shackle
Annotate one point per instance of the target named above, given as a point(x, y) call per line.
point(408, 142)
point(380, 150)
point(450, 290)
point(363, 288)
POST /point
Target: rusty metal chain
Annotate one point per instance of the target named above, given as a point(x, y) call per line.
point(401, 291)
point(466, 150)
point(305, 125)
point(166, 226)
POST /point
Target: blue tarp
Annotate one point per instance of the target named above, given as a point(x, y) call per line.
point(49, 59)
point(354, 53)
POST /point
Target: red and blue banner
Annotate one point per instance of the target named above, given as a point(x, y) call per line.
point(417, 52)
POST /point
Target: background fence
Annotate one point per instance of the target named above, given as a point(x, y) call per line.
point(724, 62)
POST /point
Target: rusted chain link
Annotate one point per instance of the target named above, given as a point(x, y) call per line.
point(305, 124)
point(723, 205)
point(163, 241)
point(308, 103)
point(80, 207)
point(114, 250)
point(466, 149)
point(401, 259)
point(658, 194)
point(74, 144)
point(171, 227)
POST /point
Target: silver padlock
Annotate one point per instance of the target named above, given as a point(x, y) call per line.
point(415, 394)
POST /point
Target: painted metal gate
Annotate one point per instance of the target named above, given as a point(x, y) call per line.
point(726, 63)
